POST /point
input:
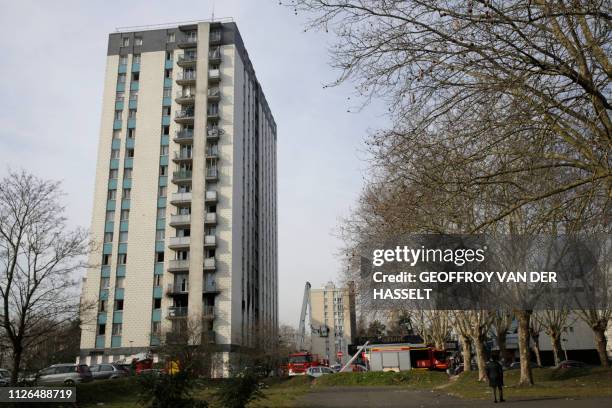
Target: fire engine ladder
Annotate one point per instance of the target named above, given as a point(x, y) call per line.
point(302, 325)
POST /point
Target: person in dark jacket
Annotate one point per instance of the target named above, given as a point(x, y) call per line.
point(495, 375)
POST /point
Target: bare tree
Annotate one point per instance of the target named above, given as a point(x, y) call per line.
point(433, 326)
point(39, 257)
point(553, 321)
point(535, 328)
point(475, 324)
point(502, 321)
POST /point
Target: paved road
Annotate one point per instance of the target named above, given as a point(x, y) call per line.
point(356, 397)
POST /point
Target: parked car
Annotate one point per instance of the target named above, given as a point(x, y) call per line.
point(460, 368)
point(5, 377)
point(571, 364)
point(107, 371)
point(318, 371)
point(336, 367)
point(68, 374)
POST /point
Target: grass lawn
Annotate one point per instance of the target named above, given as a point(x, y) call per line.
point(415, 379)
point(549, 382)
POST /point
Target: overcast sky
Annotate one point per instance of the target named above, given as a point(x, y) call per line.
point(51, 79)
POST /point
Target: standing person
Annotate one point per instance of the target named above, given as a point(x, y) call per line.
point(495, 374)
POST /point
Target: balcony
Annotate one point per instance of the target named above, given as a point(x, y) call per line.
point(210, 264)
point(184, 156)
point(214, 75)
point(180, 198)
point(211, 196)
point(181, 176)
point(179, 242)
point(214, 94)
point(175, 289)
point(188, 42)
point(212, 114)
point(185, 98)
point(180, 220)
point(212, 175)
point(175, 312)
point(212, 153)
point(178, 265)
point(184, 116)
point(208, 312)
point(214, 55)
point(186, 78)
point(210, 287)
point(210, 241)
point(184, 136)
point(208, 337)
point(187, 60)
point(213, 133)
point(210, 219)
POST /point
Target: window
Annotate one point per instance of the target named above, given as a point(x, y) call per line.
point(131, 133)
point(161, 213)
point(117, 329)
point(136, 59)
point(101, 329)
point(166, 111)
point(127, 193)
point(125, 42)
point(159, 257)
point(123, 60)
point(162, 191)
point(118, 114)
point(163, 170)
point(163, 151)
point(132, 114)
point(133, 94)
point(102, 305)
point(114, 153)
point(123, 236)
point(122, 259)
point(119, 304)
point(112, 194)
point(104, 283)
point(121, 78)
point(170, 38)
point(157, 281)
point(129, 153)
point(168, 73)
point(108, 237)
point(106, 259)
point(116, 134)
point(127, 173)
point(165, 130)
point(160, 235)
point(167, 92)
point(110, 216)
point(125, 215)
point(119, 97)
point(138, 41)
point(182, 255)
point(135, 76)
point(156, 326)
point(120, 282)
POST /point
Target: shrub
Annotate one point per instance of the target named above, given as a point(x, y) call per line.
point(158, 390)
point(240, 389)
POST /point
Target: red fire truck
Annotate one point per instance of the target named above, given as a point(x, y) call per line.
point(400, 357)
point(300, 362)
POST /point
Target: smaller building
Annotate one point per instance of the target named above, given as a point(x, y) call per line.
point(333, 322)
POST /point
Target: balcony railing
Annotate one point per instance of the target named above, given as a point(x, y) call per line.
point(178, 219)
point(183, 77)
point(187, 59)
point(185, 114)
point(212, 174)
point(181, 175)
point(178, 264)
point(211, 196)
point(181, 197)
point(214, 55)
point(213, 133)
point(210, 286)
point(214, 74)
point(182, 155)
point(210, 240)
point(210, 264)
point(210, 218)
point(177, 288)
point(179, 241)
point(187, 42)
point(215, 37)
point(212, 152)
point(175, 311)
point(184, 135)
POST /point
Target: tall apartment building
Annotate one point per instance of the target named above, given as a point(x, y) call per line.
point(185, 196)
point(333, 321)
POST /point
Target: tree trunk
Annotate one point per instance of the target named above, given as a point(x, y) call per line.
point(601, 342)
point(501, 343)
point(536, 349)
point(480, 358)
point(17, 352)
point(524, 317)
point(555, 341)
point(466, 346)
